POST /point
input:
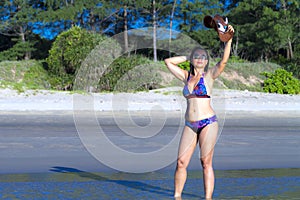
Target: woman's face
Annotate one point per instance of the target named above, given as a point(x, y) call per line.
point(199, 59)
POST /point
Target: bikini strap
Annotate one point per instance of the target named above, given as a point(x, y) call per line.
point(202, 79)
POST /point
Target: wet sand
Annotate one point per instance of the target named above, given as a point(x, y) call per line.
point(257, 156)
point(35, 142)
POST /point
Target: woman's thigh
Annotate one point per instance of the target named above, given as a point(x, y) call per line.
point(208, 138)
point(187, 144)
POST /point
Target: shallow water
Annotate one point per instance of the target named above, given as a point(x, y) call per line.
point(36, 150)
point(70, 183)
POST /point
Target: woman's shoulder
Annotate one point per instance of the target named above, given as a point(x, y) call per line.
point(208, 74)
point(208, 77)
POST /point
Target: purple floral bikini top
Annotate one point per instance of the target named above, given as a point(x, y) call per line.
point(199, 90)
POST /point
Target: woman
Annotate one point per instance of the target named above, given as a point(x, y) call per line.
point(201, 122)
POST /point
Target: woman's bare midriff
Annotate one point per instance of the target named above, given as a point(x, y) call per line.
point(198, 108)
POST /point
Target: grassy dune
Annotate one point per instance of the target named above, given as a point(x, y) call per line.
point(22, 75)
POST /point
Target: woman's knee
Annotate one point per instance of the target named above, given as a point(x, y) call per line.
point(181, 163)
point(206, 162)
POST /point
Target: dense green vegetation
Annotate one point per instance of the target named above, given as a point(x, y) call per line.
point(281, 82)
point(67, 53)
point(266, 32)
point(137, 73)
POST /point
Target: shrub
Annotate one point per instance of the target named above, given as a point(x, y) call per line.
point(132, 73)
point(68, 51)
point(282, 82)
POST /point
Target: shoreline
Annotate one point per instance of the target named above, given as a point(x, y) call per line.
point(250, 137)
point(166, 99)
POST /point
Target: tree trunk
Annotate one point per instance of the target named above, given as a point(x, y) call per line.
point(290, 49)
point(92, 21)
point(171, 25)
point(235, 50)
point(290, 54)
point(23, 39)
point(125, 30)
point(154, 33)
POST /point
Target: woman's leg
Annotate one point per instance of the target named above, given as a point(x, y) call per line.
point(187, 146)
point(207, 141)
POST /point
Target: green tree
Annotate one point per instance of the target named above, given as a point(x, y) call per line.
point(67, 53)
point(62, 10)
point(16, 16)
point(289, 28)
point(266, 28)
point(279, 29)
point(72, 12)
point(124, 13)
point(245, 17)
point(266, 33)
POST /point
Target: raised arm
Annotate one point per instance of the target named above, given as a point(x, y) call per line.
point(174, 69)
point(220, 66)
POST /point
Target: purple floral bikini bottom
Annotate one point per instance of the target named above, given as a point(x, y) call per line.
point(197, 126)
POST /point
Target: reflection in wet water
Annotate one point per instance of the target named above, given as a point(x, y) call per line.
point(70, 183)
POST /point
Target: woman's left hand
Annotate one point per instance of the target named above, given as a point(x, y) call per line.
point(230, 29)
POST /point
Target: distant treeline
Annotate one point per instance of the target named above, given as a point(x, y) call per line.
point(265, 30)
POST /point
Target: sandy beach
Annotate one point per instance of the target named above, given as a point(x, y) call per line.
point(43, 157)
point(49, 117)
point(169, 99)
